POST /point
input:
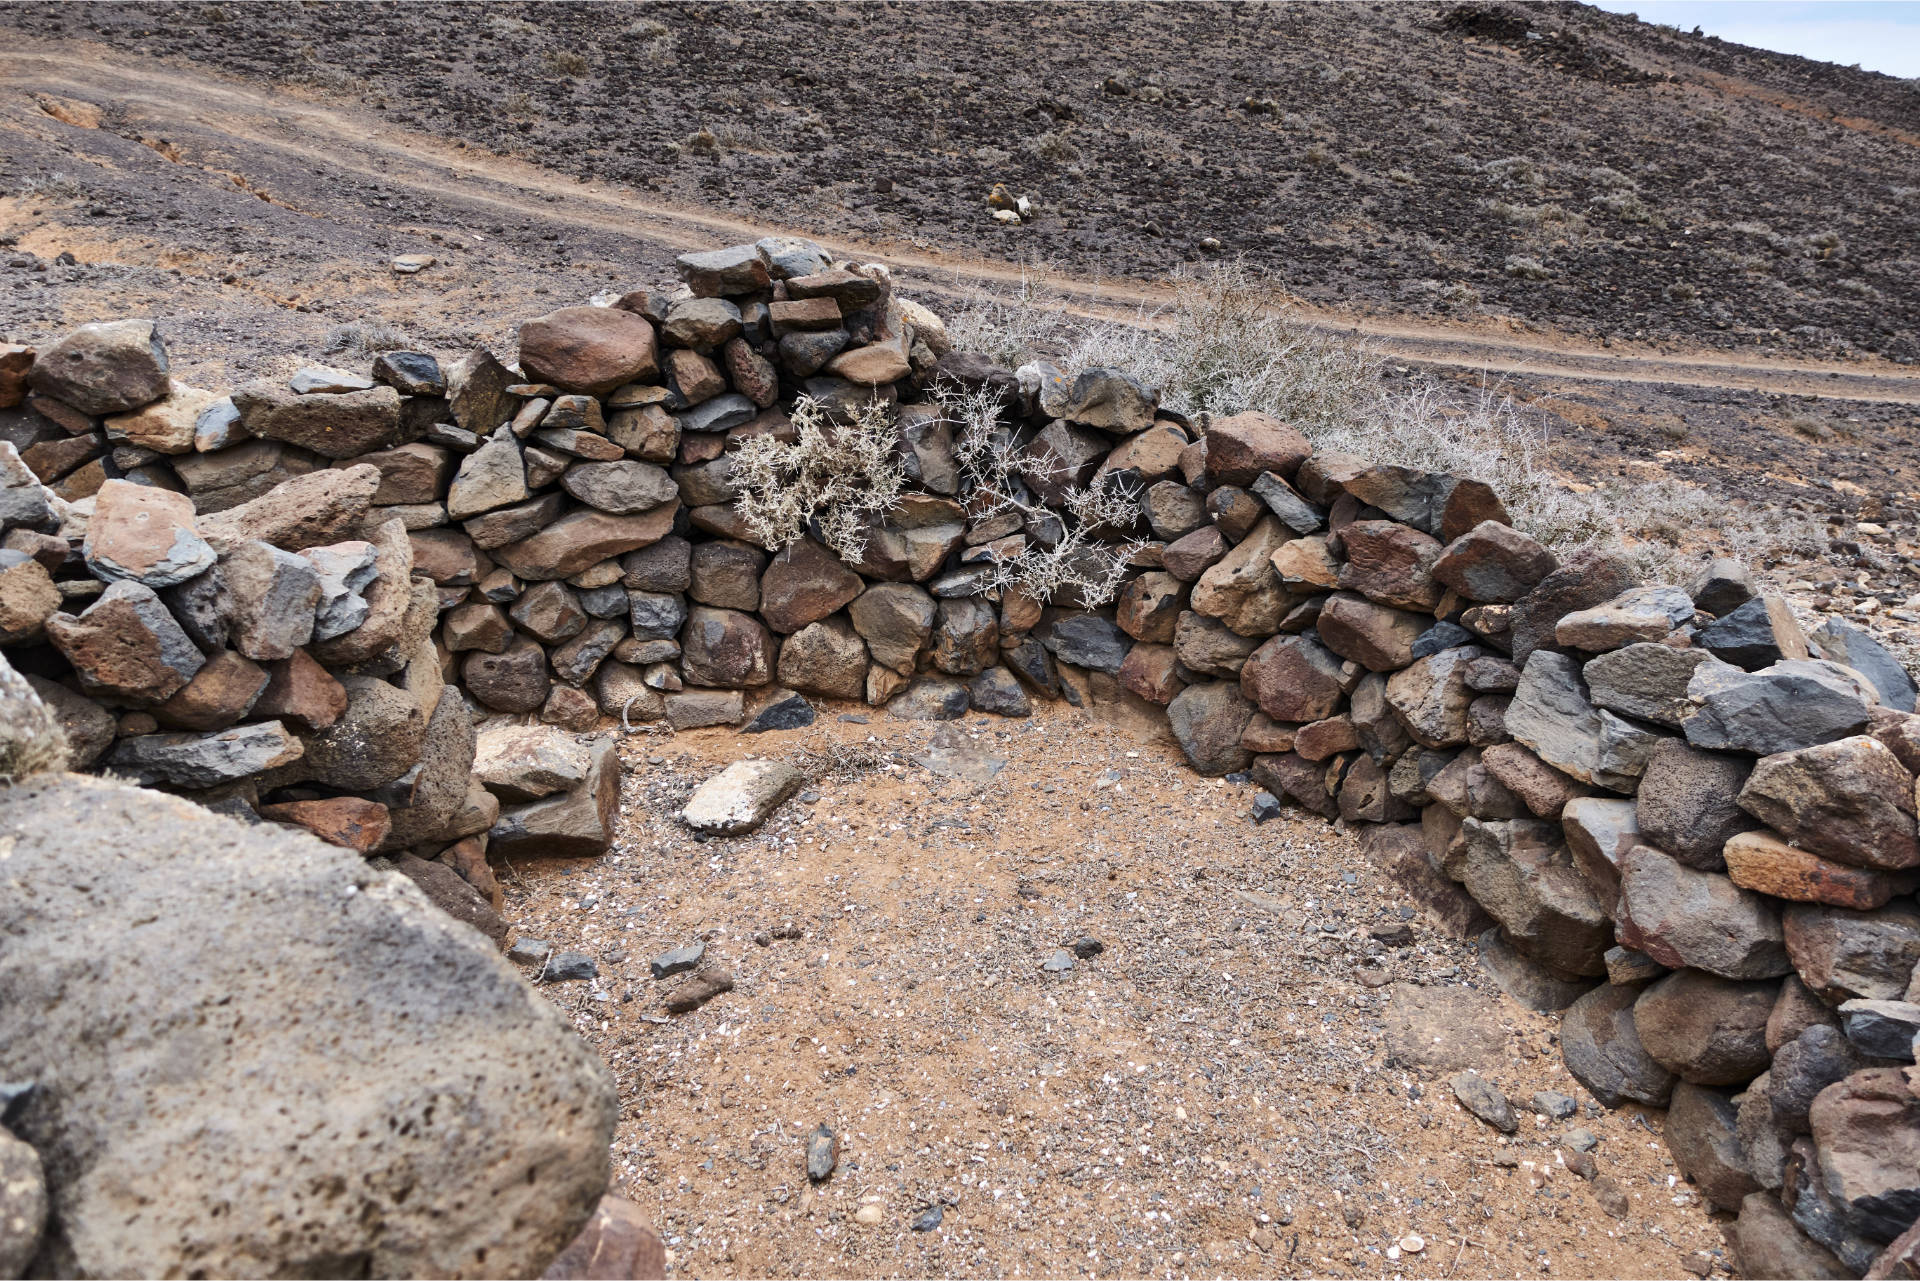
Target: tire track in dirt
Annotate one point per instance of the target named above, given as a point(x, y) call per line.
point(152, 98)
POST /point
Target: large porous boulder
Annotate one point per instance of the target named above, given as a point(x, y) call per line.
point(1706, 1029)
point(1523, 875)
point(1867, 1131)
point(1851, 800)
point(126, 647)
point(1493, 562)
point(1239, 448)
point(576, 823)
point(1686, 802)
point(1842, 954)
point(1208, 720)
point(107, 367)
point(1551, 714)
point(1601, 1045)
point(1681, 916)
point(331, 424)
point(150, 1045)
point(514, 680)
point(1782, 708)
point(375, 741)
point(589, 350)
point(1587, 579)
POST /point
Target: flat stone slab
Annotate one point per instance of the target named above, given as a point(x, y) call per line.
point(740, 797)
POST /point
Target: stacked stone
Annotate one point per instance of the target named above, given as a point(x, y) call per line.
point(1672, 813)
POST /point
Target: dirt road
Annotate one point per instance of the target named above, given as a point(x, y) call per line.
point(255, 140)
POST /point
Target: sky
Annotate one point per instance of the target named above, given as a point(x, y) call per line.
point(1880, 35)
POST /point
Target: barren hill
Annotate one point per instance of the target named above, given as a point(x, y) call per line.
point(1553, 164)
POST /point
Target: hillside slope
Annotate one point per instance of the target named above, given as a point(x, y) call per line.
point(1554, 164)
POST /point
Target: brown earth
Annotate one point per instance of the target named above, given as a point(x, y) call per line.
point(1232, 1087)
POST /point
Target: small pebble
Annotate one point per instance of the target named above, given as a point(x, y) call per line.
point(928, 1219)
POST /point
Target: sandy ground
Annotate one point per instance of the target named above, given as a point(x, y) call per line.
point(1229, 1088)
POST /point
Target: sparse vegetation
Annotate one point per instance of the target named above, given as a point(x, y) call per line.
point(836, 476)
point(1527, 267)
point(565, 62)
point(366, 338)
point(1223, 348)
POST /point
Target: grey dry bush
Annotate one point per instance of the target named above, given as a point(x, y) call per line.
point(1224, 347)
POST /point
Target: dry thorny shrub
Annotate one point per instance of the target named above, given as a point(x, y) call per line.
point(836, 475)
point(842, 473)
point(1224, 347)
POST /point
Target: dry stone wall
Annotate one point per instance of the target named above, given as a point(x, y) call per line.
point(1673, 812)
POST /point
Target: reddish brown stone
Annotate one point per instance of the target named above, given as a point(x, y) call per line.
point(1542, 788)
point(1494, 563)
point(350, 822)
point(725, 649)
point(1293, 678)
point(15, 361)
point(1149, 670)
point(1762, 861)
point(468, 857)
point(804, 584)
point(809, 315)
point(1318, 740)
point(1264, 734)
point(28, 598)
point(476, 625)
point(300, 690)
point(126, 646)
point(1241, 447)
point(589, 350)
point(219, 695)
point(1377, 637)
point(1390, 564)
point(1190, 556)
point(618, 1244)
point(583, 539)
point(1148, 608)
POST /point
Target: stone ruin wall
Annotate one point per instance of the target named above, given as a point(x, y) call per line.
point(336, 602)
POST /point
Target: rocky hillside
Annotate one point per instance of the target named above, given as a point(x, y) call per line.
point(1552, 164)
